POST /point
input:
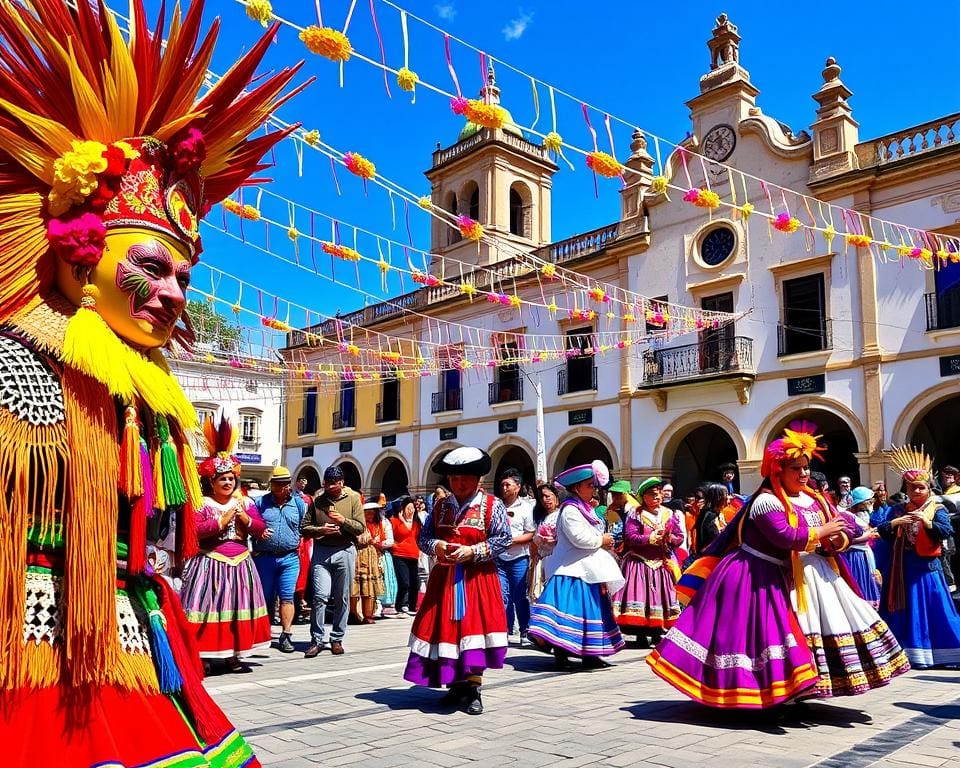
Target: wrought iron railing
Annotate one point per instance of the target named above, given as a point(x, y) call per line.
point(943, 311)
point(448, 400)
point(507, 390)
point(576, 379)
point(708, 358)
point(344, 419)
point(388, 411)
point(307, 425)
point(795, 339)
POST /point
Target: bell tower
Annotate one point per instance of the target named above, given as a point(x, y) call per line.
point(497, 177)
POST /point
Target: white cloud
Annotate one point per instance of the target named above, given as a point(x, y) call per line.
point(446, 11)
point(516, 27)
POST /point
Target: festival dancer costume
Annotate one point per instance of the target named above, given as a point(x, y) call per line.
point(107, 160)
point(648, 599)
point(773, 617)
point(221, 591)
point(573, 615)
point(915, 600)
point(461, 628)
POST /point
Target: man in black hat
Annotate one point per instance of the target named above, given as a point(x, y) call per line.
point(334, 521)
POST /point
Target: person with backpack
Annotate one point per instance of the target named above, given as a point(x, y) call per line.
point(276, 554)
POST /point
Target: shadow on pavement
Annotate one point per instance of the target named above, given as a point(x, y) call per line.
point(949, 711)
point(421, 699)
point(776, 721)
point(955, 678)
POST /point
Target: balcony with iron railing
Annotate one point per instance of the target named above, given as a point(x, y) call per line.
point(508, 389)
point(576, 377)
point(943, 311)
point(710, 358)
point(307, 425)
point(344, 419)
point(448, 400)
point(798, 339)
point(388, 411)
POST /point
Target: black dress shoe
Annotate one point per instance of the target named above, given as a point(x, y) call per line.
point(595, 662)
point(455, 696)
point(476, 706)
point(312, 652)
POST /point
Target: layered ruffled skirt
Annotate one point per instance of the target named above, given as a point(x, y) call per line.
point(853, 647)
point(576, 617)
point(224, 602)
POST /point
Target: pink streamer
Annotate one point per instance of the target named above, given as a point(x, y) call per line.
point(483, 75)
point(383, 55)
point(593, 133)
point(453, 72)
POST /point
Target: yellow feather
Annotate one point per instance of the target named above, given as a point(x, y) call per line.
point(31, 156)
point(120, 83)
point(50, 132)
point(93, 117)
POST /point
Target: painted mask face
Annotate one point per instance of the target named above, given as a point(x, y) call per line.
point(142, 280)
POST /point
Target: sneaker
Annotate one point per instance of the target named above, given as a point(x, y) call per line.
point(524, 640)
point(336, 648)
point(286, 644)
point(313, 651)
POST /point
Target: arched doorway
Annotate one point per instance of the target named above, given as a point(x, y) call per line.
point(351, 475)
point(312, 477)
point(389, 477)
point(513, 457)
point(697, 457)
point(841, 444)
point(582, 450)
point(937, 432)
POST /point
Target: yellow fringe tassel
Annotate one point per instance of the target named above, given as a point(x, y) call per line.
point(91, 346)
point(43, 665)
point(32, 458)
point(90, 629)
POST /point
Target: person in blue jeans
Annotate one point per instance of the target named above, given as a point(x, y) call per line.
point(334, 521)
point(275, 555)
point(514, 564)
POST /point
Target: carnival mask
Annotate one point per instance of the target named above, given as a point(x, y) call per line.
point(141, 283)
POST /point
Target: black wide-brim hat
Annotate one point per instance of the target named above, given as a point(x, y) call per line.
point(463, 461)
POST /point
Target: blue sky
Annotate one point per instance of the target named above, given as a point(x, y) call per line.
point(638, 61)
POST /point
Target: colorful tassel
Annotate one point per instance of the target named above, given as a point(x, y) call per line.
point(131, 471)
point(173, 491)
point(146, 471)
point(167, 673)
point(208, 720)
point(459, 593)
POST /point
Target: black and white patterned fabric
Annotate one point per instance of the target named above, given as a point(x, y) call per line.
point(28, 388)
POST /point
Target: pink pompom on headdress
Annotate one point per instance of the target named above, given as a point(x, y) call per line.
point(220, 442)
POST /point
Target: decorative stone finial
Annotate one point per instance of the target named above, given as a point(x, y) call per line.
point(638, 146)
point(831, 70)
point(724, 44)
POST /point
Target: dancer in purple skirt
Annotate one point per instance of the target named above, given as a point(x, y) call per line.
point(776, 617)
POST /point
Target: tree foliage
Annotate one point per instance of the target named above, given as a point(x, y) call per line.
point(212, 329)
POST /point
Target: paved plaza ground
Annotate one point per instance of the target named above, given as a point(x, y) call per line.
point(357, 710)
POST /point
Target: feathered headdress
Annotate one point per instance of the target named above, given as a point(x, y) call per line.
point(97, 131)
point(799, 439)
point(220, 443)
point(913, 465)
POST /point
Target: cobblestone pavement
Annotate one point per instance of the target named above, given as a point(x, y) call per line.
point(357, 709)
